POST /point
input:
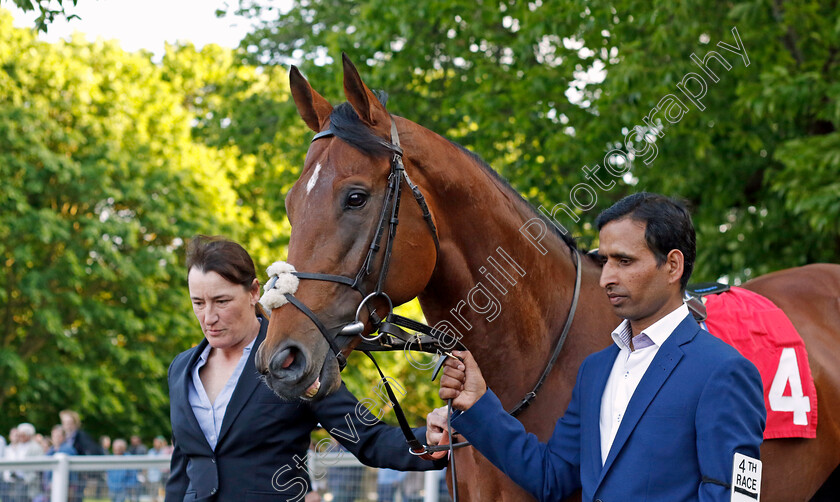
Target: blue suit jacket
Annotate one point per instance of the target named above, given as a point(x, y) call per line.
point(698, 403)
point(263, 441)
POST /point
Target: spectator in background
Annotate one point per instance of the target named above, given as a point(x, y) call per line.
point(43, 442)
point(318, 482)
point(100, 479)
point(2, 455)
point(387, 483)
point(413, 487)
point(13, 436)
point(157, 477)
point(105, 444)
point(59, 444)
point(27, 444)
point(24, 483)
point(84, 445)
point(81, 441)
point(121, 482)
point(7, 477)
point(161, 446)
point(137, 447)
point(344, 482)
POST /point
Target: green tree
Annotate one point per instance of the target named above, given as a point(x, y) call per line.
point(541, 89)
point(102, 182)
point(48, 10)
point(242, 109)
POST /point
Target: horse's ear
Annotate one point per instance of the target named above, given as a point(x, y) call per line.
point(362, 99)
point(313, 108)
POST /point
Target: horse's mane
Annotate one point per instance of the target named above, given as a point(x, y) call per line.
point(567, 238)
point(347, 126)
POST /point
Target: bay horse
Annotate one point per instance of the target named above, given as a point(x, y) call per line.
point(489, 269)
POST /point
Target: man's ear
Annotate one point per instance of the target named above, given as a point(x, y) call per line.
point(675, 263)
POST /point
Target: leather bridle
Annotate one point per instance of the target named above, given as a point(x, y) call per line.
point(392, 324)
point(388, 220)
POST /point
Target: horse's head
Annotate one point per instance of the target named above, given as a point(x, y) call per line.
point(341, 214)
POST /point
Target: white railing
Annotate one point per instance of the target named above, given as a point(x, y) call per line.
point(62, 465)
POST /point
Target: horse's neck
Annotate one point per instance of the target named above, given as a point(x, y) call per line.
point(493, 286)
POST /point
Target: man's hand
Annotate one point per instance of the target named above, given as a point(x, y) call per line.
point(435, 426)
point(462, 381)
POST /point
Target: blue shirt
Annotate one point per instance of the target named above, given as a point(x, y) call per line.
point(121, 479)
point(389, 476)
point(210, 415)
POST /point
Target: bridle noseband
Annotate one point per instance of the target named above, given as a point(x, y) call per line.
point(388, 220)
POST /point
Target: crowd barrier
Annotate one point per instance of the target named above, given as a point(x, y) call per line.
point(337, 477)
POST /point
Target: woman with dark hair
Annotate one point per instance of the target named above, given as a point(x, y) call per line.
point(233, 438)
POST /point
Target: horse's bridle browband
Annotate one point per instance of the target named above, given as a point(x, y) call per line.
point(392, 324)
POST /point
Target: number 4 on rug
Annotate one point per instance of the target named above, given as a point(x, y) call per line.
point(797, 402)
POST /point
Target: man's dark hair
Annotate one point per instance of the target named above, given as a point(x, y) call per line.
point(226, 258)
point(667, 226)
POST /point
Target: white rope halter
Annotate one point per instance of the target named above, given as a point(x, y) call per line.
point(281, 282)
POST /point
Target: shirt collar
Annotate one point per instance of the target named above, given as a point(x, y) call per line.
point(657, 332)
point(202, 359)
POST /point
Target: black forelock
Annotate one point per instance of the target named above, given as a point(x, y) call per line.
point(347, 126)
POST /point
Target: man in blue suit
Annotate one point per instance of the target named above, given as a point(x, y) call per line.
point(658, 415)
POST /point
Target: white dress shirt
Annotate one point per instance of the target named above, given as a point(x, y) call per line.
point(629, 368)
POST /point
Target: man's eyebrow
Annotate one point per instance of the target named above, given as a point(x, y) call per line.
point(618, 255)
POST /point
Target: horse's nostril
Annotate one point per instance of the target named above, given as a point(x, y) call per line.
point(287, 363)
point(289, 360)
point(282, 360)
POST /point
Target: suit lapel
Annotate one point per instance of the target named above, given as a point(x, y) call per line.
point(247, 384)
point(603, 367)
point(183, 386)
point(660, 369)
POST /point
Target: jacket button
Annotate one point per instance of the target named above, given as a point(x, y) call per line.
point(599, 500)
point(212, 491)
point(213, 460)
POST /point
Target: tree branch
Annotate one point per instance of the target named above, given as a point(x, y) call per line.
point(790, 39)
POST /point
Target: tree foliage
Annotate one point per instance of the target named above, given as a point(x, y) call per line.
point(48, 10)
point(105, 176)
point(542, 89)
point(243, 110)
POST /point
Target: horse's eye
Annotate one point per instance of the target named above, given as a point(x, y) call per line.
point(356, 200)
